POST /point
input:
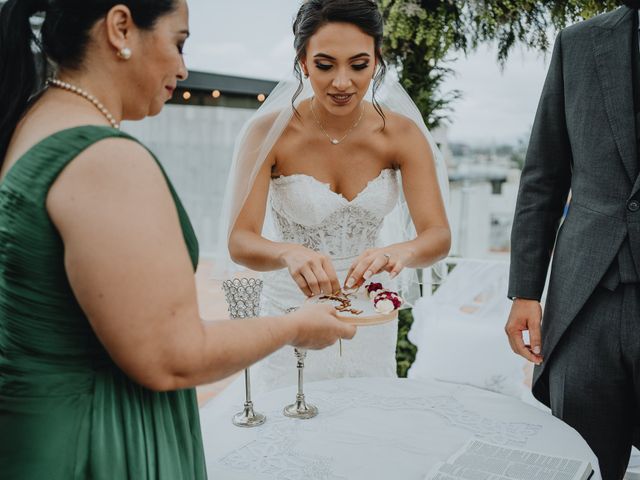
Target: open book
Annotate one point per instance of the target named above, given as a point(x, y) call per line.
point(478, 460)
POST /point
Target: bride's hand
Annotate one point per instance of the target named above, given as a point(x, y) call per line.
point(375, 260)
point(313, 272)
point(317, 326)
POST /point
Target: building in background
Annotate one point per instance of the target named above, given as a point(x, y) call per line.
point(194, 137)
point(483, 191)
point(483, 188)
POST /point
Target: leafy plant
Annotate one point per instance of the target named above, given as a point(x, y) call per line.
point(423, 37)
point(405, 350)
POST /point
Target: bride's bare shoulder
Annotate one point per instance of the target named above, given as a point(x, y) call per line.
point(402, 136)
point(396, 127)
point(396, 123)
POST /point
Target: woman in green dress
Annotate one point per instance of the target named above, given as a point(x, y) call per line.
point(101, 342)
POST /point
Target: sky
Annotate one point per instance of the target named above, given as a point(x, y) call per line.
point(253, 38)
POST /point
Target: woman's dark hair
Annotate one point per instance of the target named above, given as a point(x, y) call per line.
point(64, 36)
point(314, 14)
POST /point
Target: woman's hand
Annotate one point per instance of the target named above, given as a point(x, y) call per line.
point(318, 327)
point(390, 259)
point(313, 272)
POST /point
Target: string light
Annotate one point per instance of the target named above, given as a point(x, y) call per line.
point(261, 97)
point(216, 94)
point(186, 95)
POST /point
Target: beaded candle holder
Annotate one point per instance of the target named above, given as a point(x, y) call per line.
point(243, 299)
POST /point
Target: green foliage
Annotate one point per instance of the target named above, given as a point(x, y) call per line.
point(422, 37)
point(405, 350)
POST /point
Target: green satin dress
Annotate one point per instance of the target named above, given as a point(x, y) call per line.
point(66, 410)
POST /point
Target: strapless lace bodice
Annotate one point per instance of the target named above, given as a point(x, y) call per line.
point(306, 211)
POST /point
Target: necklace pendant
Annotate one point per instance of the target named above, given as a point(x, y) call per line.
point(335, 141)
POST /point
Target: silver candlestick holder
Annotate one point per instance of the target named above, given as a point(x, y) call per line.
point(300, 408)
point(243, 300)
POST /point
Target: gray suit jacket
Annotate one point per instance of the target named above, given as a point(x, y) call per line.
point(583, 141)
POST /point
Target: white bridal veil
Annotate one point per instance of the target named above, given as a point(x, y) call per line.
point(260, 134)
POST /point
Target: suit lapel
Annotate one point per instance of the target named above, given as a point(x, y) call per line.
point(613, 55)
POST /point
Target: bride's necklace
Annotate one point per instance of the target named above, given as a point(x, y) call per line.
point(335, 141)
point(54, 82)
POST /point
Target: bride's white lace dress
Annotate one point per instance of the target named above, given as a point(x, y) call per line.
point(307, 212)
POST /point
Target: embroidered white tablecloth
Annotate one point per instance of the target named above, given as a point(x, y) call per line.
point(376, 428)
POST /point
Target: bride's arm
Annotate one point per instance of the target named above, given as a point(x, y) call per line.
point(423, 196)
point(247, 246)
point(312, 271)
point(420, 185)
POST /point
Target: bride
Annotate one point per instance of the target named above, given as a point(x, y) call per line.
point(330, 187)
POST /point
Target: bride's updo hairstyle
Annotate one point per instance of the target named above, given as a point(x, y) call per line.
point(64, 36)
point(314, 14)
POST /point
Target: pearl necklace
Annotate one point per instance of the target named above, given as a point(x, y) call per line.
point(335, 141)
point(54, 82)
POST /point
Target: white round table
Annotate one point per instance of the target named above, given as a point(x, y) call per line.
point(376, 428)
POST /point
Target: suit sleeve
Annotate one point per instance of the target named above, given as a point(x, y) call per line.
point(544, 187)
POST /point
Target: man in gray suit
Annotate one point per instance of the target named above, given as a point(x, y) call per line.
point(584, 141)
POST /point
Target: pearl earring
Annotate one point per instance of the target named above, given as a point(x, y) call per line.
point(124, 53)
